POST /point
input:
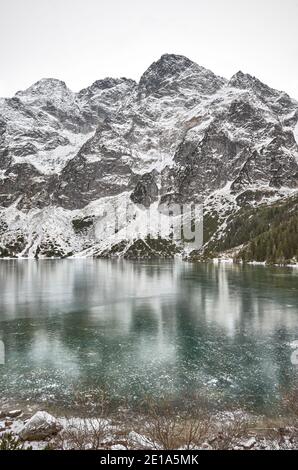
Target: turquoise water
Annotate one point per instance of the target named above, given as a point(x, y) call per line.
point(219, 334)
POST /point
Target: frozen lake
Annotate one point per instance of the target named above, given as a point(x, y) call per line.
point(220, 334)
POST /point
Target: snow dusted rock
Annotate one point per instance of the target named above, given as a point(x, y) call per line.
point(249, 443)
point(118, 447)
point(14, 413)
point(206, 446)
point(139, 440)
point(146, 190)
point(40, 426)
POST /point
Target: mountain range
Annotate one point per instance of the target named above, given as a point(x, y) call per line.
point(181, 134)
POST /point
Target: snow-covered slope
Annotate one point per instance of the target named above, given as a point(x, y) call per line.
point(181, 134)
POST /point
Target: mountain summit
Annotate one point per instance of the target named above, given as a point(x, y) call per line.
point(172, 69)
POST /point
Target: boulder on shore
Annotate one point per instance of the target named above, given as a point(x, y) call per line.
point(14, 413)
point(40, 426)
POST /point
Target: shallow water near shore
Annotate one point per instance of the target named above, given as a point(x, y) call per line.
point(219, 335)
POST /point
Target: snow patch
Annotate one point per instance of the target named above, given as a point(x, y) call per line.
point(49, 162)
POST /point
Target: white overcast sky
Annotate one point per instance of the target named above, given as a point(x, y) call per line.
point(80, 41)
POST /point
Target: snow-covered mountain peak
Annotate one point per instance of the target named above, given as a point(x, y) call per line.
point(278, 101)
point(105, 84)
point(249, 82)
point(46, 88)
point(172, 71)
point(52, 96)
point(169, 64)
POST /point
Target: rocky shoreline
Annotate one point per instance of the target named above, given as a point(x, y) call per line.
point(225, 430)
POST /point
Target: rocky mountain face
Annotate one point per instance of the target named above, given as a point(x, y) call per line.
point(73, 165)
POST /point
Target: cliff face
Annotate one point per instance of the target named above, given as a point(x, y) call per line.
point(181, 134)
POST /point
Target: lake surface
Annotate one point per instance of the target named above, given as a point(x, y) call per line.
point(217, 333)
